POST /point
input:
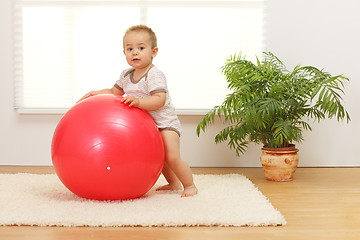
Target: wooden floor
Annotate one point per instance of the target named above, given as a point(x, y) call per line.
point(321, 203)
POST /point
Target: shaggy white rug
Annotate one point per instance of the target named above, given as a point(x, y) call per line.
point(223, 200)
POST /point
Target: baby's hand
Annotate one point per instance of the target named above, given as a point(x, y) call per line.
point(131, 101)
point(89, 94)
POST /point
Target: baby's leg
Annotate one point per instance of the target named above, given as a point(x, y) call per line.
point(171, 178)
point(178, 166)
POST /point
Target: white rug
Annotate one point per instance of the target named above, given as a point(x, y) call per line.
point(223, 200)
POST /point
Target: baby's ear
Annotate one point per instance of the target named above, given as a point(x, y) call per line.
point(155, 51)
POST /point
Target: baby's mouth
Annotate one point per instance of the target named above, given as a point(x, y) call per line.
point(136, 59)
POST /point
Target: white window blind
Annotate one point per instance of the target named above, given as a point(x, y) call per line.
point(63, 49)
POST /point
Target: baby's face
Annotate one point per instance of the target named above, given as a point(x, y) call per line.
point(138, 50)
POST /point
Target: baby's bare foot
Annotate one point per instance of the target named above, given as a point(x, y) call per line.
point(189, 191)
point(169, 187)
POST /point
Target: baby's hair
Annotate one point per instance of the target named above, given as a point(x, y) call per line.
point(139, 28)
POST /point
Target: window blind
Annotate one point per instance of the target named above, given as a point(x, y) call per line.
point(63, 49)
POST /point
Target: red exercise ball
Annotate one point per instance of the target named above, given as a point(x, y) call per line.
point(103, 149)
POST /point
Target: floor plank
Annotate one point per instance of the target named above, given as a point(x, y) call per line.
point(321, 203)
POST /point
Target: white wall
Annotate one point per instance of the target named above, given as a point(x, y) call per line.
point(323, 33)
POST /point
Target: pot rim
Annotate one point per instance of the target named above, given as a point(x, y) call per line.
point(291, 148)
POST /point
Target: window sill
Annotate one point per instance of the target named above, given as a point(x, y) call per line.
point(61, 111)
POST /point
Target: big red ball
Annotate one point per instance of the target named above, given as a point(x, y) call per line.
point(103, 149)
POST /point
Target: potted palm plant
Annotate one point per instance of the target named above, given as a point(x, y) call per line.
point(270, 105)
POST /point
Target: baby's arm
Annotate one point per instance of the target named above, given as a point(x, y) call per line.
point(113, 90)
point(154, 102)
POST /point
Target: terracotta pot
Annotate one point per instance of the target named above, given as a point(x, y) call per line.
point(279, 164)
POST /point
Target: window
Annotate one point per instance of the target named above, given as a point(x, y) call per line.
point(63, 49)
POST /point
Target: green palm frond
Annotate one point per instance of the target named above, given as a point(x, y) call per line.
point(271, 105)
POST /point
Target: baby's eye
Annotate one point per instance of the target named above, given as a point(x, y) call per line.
point(129, 49)
point(141, 48)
